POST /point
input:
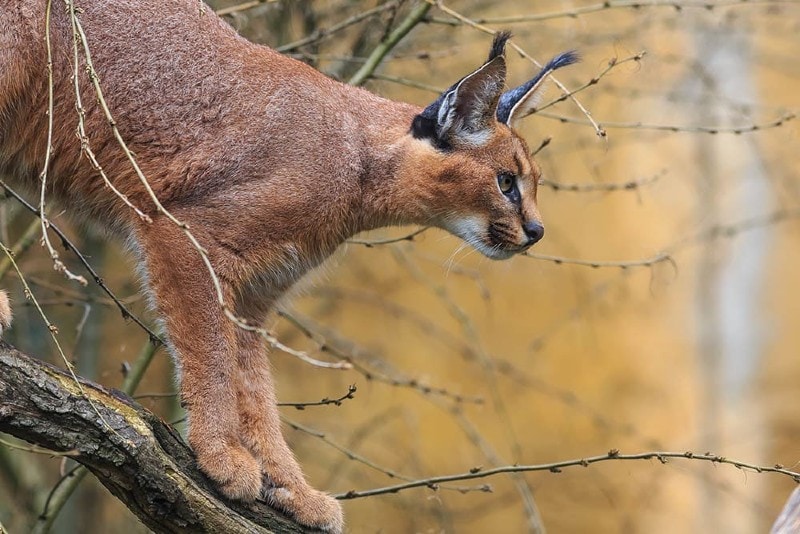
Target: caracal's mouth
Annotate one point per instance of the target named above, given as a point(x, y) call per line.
point(493, 242)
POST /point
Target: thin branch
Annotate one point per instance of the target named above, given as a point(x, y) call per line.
point(370, 374)
point(321, 34)
point(560, 260)
point(84, 138)
point(376, 242)
point(713, 130)
point(351, 391)
point(407, 82)
point(731, 230)
point(58, 265)
point(167, 395)
point(470, 22)
point(126, 314)
point(630, 185)
point(57, 498)
point(24, 242)
point(544, 144)
point(612, 64)
point(354, 456)
point(647, 262)
point(607, 6)
point(37, 450)
point(557, 467)
point(380, 51)
point(243, 7)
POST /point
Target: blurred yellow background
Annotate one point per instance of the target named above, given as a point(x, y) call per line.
point(683, 336)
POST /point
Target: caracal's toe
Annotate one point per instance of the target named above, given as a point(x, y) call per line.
point(307, 506)
point(236, 472)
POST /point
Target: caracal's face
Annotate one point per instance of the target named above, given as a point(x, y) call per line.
point(491, 199)
point(484, 189)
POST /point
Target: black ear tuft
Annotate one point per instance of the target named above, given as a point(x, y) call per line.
point(499, 44)
point(520, 101)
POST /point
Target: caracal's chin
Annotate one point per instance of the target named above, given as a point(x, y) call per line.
point(497, 252)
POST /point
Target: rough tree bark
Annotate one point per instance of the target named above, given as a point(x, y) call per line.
point(138, 457)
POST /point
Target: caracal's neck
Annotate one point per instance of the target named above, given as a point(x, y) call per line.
point(397, 168)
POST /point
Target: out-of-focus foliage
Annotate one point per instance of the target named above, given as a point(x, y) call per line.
point(464, 362)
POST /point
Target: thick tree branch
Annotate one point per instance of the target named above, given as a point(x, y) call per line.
point(139, 458)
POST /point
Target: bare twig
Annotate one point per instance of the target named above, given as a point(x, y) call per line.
point(560, 260)
point(84, 138)
point(126, 313)
point(244, 6)
point(321, 33)
point(713, 130)
point(610, 5)
point(407, 82)
point(37, 450)
point(647, 262)
point(356, 360)
point(384, 47)
point(630, 185)
point(557, 467)
point(354, 456)
point(612, 64)
point(58, 265)
point(480, 27)
point(375, 242)
point(351, 391)
point(27, 238)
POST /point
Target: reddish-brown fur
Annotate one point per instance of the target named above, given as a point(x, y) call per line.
point(272, 165)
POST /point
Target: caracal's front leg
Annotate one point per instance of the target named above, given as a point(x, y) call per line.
point(204, 343)
point(285, 486)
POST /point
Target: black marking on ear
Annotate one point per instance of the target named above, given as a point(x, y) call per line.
point(499, 44)
point(423, 127)
point(427, 124)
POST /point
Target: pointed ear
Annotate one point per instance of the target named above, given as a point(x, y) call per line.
point(521, 101)
point(465, 113)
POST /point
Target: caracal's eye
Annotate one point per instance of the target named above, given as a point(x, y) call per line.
point(506, 182)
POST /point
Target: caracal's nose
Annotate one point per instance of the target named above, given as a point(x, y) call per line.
point(534, 230)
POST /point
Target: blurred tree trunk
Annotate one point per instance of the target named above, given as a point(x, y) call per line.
point(730, 274)
point(140, 459)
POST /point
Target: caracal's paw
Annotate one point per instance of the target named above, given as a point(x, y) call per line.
point(308, 507)
point(236, 472)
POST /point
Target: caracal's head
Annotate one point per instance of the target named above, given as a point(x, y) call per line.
point(485, 186)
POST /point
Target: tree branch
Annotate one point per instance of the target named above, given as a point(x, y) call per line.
point(134, 454)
